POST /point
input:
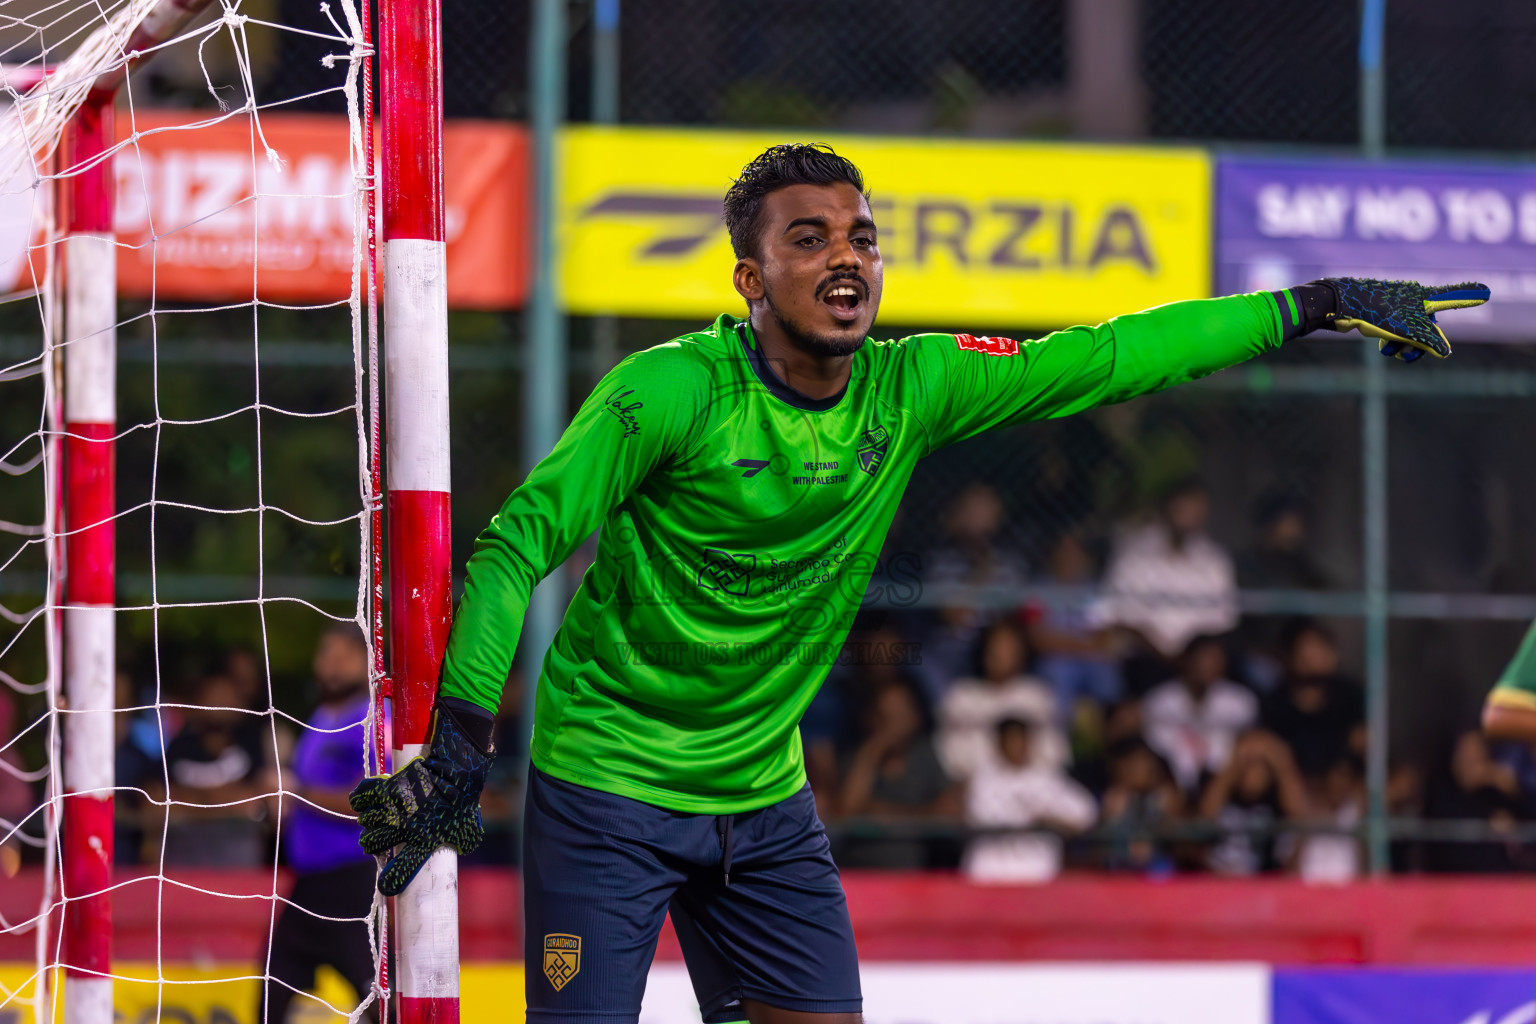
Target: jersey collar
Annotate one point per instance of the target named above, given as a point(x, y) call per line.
point(771, 380)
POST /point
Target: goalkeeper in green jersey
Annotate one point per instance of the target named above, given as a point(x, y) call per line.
point(743, 477)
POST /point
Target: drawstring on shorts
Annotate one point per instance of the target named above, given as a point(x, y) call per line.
point(725, 826)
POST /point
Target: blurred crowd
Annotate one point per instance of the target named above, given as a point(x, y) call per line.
point(200, 771)
point(1125, 717)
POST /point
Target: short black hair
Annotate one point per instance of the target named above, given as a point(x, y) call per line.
point(1182, 488)
point(984, 639)
point(789, 163)
point(1275, 505)
point(1129, 746)
point(1203, 640)
point(1293, 629)
point(1007, 725)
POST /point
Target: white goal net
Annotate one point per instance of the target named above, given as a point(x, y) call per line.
point(189, 652)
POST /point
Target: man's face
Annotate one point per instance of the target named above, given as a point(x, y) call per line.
point(340, 665)
point(1014, 745)
point(1187, 511)
point(1314, 656)
point(817, 267)
point(1288, 532)
point(1203, 665)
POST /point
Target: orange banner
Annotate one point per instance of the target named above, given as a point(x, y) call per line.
point(205, 216)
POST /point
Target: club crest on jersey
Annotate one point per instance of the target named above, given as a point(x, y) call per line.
point(731, 573)
point(988, 346)
point(562, 959)
point(872, 448)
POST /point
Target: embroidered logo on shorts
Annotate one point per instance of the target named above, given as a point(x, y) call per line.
point(562, 959)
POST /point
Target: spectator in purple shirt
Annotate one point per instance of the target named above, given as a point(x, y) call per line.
point(333, 886)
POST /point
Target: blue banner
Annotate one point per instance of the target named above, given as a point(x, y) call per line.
point(1280, 222)
point(1416, 995)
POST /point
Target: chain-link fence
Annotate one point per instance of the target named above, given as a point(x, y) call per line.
point(1200, 70)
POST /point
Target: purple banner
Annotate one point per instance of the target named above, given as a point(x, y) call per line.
point(1281, 222)
point(1410, 995)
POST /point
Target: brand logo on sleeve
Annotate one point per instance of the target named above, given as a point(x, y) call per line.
point(872, 447)
point(562, 959)
point(620, 405)
point(988, 346)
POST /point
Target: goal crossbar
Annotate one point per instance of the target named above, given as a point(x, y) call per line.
point(42, 105)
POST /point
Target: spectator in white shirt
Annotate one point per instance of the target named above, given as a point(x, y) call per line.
point(1013, 790)
point(1193, 721)
point(1167, 581)
point(971, 708)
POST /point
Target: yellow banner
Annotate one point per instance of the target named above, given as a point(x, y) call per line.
point(973, 233)
point(226, 993)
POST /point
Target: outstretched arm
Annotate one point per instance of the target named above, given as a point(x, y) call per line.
point(968, 385)
point(971, 384)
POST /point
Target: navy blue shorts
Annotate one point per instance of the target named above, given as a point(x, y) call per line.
point(600, 873)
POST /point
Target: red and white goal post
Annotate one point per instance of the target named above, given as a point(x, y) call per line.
point(416, 382)
point(415, 445)
point(83, 198)
point(90, 662)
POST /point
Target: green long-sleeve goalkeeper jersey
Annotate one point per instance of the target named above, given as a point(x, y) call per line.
point(740, 523)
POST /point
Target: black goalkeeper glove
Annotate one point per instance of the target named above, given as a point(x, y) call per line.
point(1399, 313)
point(434, 800)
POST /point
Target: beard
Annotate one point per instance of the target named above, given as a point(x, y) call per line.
point(825, 345)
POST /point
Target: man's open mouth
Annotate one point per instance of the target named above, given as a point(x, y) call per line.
point(844, 299)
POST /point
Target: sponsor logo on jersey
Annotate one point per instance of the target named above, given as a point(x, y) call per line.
point(990, 346)
point(751, 467)
point(562, 958)
point(727, 572)
point(620, 405)
point(872, 448)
